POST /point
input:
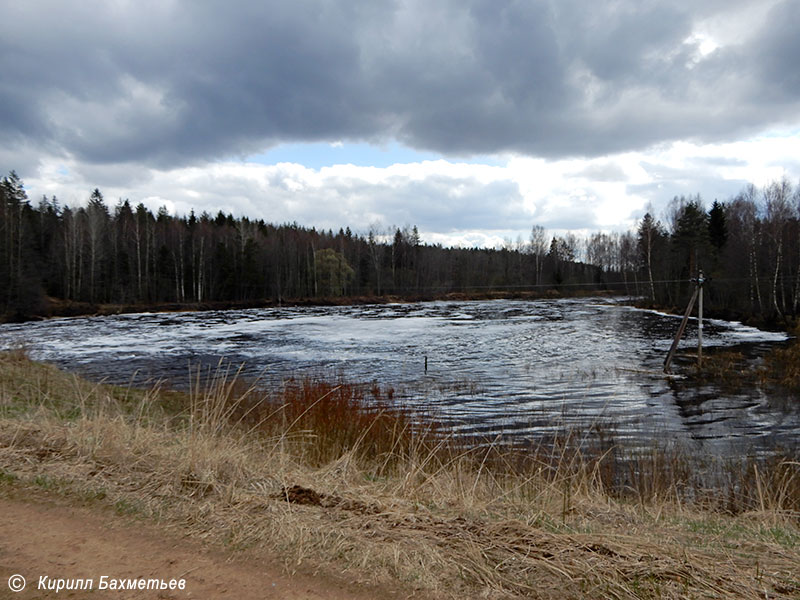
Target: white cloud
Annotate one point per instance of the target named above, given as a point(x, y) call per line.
point(451, 202)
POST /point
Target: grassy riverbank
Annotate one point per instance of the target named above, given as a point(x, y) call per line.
point(330, 475)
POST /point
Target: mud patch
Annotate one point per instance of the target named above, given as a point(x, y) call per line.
point(301, 495)
point(298, 494)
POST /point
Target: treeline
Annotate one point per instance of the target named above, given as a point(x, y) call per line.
point(749, 246)
point(129, 255)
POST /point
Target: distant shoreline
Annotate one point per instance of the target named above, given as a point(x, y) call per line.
point(57, 308)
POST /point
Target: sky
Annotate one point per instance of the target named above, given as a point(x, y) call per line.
point(472, 119)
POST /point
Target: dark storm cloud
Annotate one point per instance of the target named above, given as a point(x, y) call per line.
point(169, 83)
point(777, 49)
point(627, 45)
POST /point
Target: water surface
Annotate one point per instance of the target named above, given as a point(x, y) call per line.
point(504, 367)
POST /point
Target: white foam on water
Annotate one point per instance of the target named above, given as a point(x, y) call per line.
point(502, 364)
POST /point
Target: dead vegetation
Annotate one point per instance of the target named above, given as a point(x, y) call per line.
point(778, 370)
point(325, 474)
point(782, 366)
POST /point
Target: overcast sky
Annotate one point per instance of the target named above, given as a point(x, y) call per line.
point(472, 119)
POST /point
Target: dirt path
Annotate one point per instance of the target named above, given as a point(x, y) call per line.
point(64, 542)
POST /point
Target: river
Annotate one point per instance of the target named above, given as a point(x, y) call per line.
point(494, 368)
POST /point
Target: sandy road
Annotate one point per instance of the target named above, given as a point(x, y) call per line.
point(65, 542)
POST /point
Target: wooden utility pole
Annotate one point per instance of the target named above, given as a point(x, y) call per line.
point(700, 281)
point(698, 292)
point(681, 329)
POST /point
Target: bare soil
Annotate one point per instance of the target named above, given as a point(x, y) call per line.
point(44, 538)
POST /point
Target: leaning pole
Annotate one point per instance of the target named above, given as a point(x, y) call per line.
point(698, 292)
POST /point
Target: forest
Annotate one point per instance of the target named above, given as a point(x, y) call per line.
point(748, 245)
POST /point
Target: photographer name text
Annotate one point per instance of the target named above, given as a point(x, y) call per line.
point(106, 582)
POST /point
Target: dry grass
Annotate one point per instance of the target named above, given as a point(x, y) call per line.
point(313, 420)
point(324, 474)
point(782, 366)
point(779, 370)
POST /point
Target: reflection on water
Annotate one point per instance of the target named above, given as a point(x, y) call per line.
point(506, 367)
